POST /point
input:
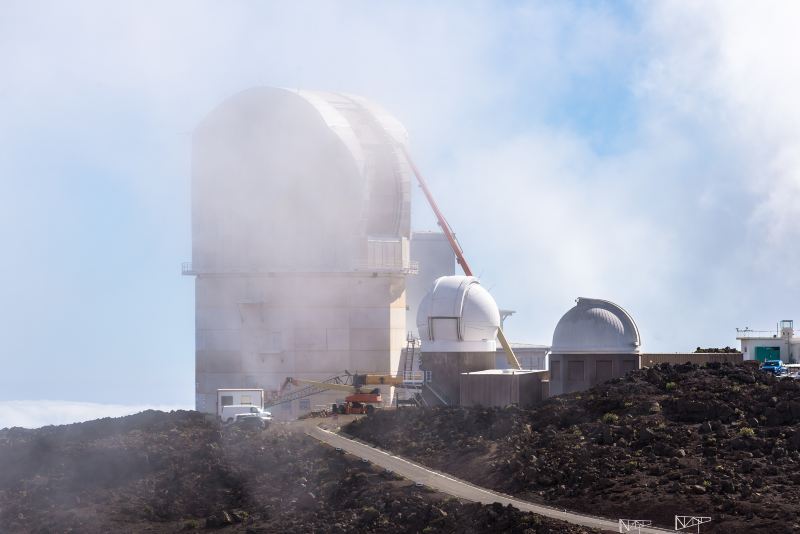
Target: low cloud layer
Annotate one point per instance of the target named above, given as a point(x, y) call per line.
point(39, 413)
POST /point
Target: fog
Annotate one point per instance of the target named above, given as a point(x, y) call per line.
point(642, 153)
point(300, 209)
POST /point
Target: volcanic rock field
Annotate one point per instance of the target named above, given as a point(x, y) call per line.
point(719, 441)
point(178, 472)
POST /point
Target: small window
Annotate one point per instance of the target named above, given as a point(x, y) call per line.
point(304, 405)
point(227, 400)
point(254, 410)
point(246, 399)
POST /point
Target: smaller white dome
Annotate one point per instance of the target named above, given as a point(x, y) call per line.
point(458, 315)
point(596, 326)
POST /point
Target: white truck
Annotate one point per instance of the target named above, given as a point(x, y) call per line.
point(239, 397)
point(236, 412)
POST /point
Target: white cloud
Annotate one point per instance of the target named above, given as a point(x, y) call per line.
point(690, 222)
point(729, 73)
point(38, 413)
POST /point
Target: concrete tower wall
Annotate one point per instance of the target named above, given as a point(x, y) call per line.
point(250, 333)
point(300, 231)
point(432, 252)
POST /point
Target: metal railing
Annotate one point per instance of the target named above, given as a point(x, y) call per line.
point(416, 377)
point(412, 267)
point(187, 269)
point(747, 332)
point(631, 525)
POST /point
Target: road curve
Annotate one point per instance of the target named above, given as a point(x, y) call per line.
point(456, 487)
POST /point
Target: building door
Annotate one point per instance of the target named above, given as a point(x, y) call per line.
point(768, 353)
point(604, 371)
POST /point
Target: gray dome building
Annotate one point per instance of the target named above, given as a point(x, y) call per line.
point(594, 341)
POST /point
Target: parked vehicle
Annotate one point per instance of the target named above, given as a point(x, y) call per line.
point(359, 403)
point(266, 417)
point(236, 397)
point(230, 412)
point(775, 367)
point(249, 422)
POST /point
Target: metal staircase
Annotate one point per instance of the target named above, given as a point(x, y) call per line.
point(432, 397)
point(411, 347)
point(409, 395)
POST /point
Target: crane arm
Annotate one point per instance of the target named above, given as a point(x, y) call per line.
point(378, 380)
point(441, 221)
point(513, 362)
point(322, 385)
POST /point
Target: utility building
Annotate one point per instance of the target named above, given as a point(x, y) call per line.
point(300, 241)
point(780, 344)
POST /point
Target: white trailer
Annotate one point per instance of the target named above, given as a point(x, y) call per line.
point(227, 397)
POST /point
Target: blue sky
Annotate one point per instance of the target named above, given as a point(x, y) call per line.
point(646, 153)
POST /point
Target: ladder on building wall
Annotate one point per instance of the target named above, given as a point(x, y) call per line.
point(411, 347)
point(403, 396)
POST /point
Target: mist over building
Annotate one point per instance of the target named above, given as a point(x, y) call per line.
point(306, 266)
point(301, 245)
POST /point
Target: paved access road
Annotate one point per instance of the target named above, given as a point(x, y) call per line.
point(456, 487)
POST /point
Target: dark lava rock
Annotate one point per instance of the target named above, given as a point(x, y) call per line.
point(158, 472)
point(709, 446)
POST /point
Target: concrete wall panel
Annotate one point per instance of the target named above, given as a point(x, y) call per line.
point(218, 362)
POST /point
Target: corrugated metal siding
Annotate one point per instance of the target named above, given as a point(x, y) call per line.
point(503, 389)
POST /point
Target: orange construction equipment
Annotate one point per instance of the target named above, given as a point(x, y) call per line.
point(358, 402)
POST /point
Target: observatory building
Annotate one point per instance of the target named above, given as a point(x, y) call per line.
point(593, 342)
point(300, 241)
point(457, 322)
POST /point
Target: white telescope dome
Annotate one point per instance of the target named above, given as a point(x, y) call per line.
point(596, 326)
point(458, 315)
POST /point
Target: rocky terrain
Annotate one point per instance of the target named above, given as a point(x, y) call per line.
point(158, 472)
point(719, 441)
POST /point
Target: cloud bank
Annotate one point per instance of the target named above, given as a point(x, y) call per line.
point(39, 413)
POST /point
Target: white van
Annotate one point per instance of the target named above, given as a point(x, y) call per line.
point(230, 412)
point(249, 397)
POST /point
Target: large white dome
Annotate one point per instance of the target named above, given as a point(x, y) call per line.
point(596, 326)
point(458, 315)
point(288, 181)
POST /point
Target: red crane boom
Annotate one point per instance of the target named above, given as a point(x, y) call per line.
point(449, 234)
